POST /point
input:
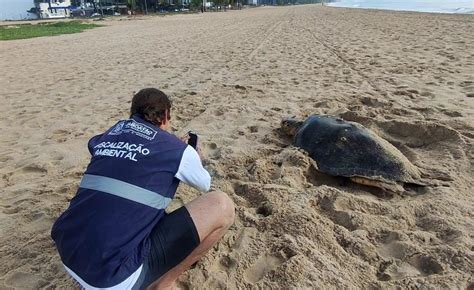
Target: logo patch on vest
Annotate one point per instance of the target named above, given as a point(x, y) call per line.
point(133, 127)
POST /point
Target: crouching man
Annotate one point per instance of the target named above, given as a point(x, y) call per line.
point(115, 233)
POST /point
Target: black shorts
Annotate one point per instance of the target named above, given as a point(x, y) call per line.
point(171, 241)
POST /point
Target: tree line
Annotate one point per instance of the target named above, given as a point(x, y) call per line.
point(154, 5)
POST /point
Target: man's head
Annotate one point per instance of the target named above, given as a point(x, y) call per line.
point(152, 105)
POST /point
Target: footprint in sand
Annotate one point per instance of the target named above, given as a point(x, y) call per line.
point(252, 192)
point(427, 265)
point(415, 266)
point(452, 113)
point(351, 212)
point(219, 112)
point(35, 168)
point(404, 260)
point(212, 151)
point(5, 158)
point(261, 267)
point(395, 245)
point(22, 280)
point(11, 210)
point(253, 129)
point(446, 231)
point(244, 238)
point(61, 135)
point(468, 88)
point(39, 222)
point(227, 264)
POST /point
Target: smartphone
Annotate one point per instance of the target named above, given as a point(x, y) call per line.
point(193, 139)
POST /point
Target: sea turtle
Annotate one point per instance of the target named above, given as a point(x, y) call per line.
point(342, 148)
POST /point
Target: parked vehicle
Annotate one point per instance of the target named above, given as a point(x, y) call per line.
point(171, 8)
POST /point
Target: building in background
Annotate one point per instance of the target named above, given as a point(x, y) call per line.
point(47, 9)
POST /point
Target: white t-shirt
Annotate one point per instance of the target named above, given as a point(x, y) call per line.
point(192, 172)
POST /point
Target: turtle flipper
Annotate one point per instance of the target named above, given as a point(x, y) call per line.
point(388, 186)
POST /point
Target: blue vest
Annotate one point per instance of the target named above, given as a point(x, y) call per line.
point(103, 235)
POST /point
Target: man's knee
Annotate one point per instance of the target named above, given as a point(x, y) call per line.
point(225, 206)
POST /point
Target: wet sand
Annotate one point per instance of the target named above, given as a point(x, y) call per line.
point(232, 76)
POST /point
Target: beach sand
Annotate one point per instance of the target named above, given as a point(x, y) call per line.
point(232, 77)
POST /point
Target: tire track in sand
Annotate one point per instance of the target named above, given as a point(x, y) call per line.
point(269, 32)
point(343, 59)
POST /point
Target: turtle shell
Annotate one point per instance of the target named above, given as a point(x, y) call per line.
point(342, 148)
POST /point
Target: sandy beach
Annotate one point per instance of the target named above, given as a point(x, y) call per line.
point(232, 76)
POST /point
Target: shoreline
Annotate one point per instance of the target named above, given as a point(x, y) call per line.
point(404, 11)
point(436, 9)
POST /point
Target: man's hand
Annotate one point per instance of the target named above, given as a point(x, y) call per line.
point(185, 139)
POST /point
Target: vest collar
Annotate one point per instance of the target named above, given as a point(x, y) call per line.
point(139, 119)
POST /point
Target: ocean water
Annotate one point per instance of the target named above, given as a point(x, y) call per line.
point(16, 9)
point(437, 6)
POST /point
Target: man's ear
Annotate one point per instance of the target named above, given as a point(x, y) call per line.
point(164, 121)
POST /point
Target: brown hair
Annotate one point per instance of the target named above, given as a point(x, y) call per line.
point(152, 105)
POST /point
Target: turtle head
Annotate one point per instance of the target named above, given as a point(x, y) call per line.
point(290, 126)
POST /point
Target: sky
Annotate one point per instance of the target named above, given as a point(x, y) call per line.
point(14, 9)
